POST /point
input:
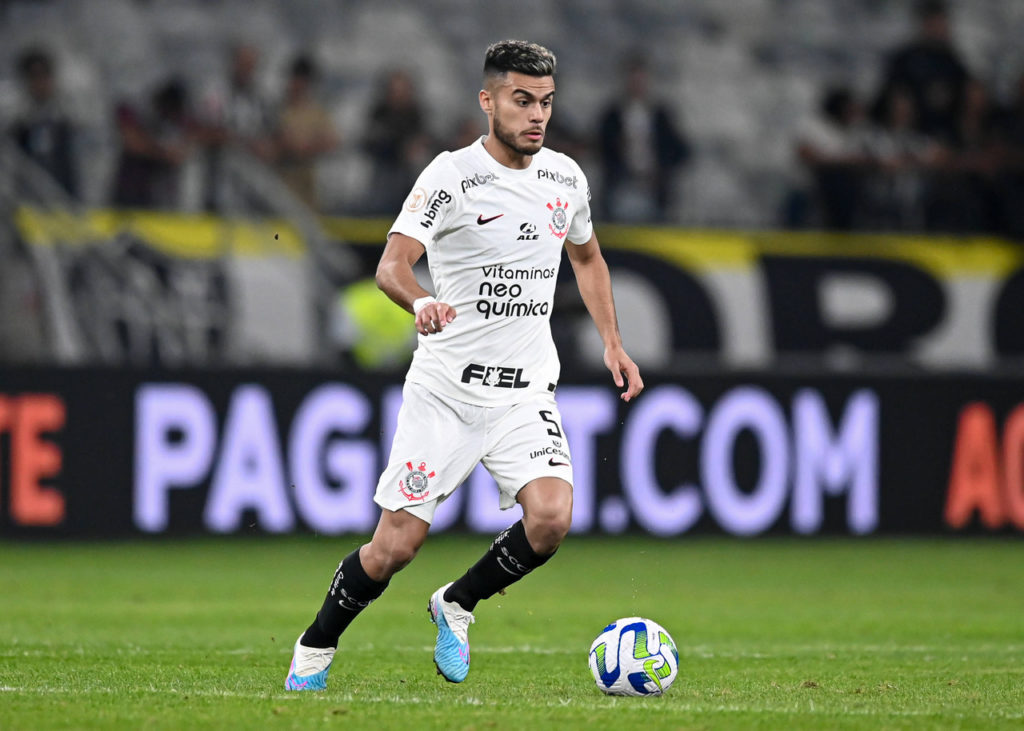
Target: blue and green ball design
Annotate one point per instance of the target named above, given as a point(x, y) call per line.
point(634, 656)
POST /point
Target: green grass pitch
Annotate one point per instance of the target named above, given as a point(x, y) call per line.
point(772, 634)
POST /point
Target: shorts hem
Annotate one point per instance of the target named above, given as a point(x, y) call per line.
point(513, 495)
point(415, 509)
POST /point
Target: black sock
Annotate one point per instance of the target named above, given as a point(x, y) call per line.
point(350, 593)
point(509, 559)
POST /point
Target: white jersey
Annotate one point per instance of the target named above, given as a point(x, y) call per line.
point(493, 237)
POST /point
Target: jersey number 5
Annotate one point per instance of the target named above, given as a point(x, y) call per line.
point(553, 430)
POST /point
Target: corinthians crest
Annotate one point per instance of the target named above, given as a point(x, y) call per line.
point(559, 225)
point(414, 486)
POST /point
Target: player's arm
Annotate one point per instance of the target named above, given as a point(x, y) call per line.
point(595, 285)
point(397, 280)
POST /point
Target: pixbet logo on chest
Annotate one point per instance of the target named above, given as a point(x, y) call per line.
point(554, 175)
point(477, 180)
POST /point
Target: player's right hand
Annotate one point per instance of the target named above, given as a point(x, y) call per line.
point(434, 317)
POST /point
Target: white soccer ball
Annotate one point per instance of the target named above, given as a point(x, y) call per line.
point(634, 656)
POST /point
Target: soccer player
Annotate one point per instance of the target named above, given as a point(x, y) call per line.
point(492, 219)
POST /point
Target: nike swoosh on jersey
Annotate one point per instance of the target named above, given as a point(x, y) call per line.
point(481, 220)
point(553, 463)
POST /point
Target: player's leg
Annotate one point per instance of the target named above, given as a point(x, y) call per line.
point(436, 445)
point(360, 578)
point(529, 458)
point(518, 550)
point(522, 547)
point(525, 443)
point(363, 575)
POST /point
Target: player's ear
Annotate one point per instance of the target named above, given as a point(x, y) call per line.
point(486, 101)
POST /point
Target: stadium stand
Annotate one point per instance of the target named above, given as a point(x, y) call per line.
point(741, 74)
point(87, 278)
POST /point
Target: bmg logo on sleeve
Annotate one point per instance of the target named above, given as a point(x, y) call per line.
point(434, 204)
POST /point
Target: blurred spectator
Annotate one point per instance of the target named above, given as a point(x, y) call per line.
point(239, 113)
point(1010, 127)
point(305, 131)
point(640, 150)
point(156, 144)
point(467, 131)
point(235, 114)
point(976, 123)
point(398, 142)
point(964, 197)
point(894, 190)
point(563, 137)
point(42, 128)
point(1009, 143)
point(930, 67)
point(832, 146)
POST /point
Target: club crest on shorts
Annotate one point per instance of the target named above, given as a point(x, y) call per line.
point(559, 225)
point(414, 486)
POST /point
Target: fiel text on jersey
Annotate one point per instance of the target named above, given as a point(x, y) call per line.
point(495, 376)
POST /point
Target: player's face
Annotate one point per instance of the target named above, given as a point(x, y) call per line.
point(520, 107)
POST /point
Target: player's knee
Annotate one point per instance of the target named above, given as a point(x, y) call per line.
point(546, 529)
point(389, 558)
point(559, 525)
point(547, 513)
point(401, 556)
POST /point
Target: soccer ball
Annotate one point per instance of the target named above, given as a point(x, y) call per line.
point(634, 656)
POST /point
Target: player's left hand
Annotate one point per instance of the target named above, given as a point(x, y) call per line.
point(624, 371)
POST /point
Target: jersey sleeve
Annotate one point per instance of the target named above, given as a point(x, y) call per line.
point(429, 204)
point(581, 228)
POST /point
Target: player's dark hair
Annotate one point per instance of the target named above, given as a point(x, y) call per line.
point(519, 56)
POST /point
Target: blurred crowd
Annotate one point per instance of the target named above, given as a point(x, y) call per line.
point(172, 145)
point(930, 150)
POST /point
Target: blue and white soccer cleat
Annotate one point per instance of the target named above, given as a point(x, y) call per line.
point(451, 652)
point(309, 668)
